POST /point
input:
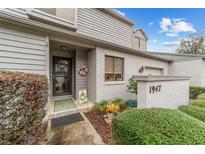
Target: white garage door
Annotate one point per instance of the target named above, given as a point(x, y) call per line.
point(153, 71)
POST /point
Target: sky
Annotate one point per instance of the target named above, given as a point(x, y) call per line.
point(166, 27)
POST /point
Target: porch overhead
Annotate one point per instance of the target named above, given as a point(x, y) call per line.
point(65, 59)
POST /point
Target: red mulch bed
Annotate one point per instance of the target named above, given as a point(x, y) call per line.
point(102, 127)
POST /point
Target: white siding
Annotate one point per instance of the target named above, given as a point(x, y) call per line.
point(92, 75)
point(132, 64)
point(22, 51)
point(96, 23)
point(192, 68)
point(20, 12)
point(139, 36)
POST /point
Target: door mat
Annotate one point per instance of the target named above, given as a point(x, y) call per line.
point(64, 104)
point(66, 120)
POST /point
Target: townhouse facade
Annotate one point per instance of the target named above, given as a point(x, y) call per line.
point(90, 49)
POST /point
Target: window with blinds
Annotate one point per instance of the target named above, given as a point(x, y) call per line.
point(113, 68)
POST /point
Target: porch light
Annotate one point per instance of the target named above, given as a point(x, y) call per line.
point(63, 47)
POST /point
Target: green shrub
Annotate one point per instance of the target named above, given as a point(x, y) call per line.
point(121, 102)
point(201, 96)
point(100, 107)
point(200, 103)
point(22, 100)
point(194, 92)
point(194, 111)
point(132, 85)
point(157, 126)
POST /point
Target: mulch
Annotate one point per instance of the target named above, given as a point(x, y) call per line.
point(103, 128)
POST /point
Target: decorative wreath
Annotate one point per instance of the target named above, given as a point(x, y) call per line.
point(82, 70)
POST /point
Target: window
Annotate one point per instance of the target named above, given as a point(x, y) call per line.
point(113, 68)
point(137, 42)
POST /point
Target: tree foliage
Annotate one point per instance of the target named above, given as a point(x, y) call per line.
point(194, 44)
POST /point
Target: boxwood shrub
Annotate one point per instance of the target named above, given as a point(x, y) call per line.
point(194, 91)
point(200, 103)
point(22, 100)
point(194, 111)
point(157, 126)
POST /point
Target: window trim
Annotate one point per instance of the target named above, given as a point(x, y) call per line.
point(114, 69)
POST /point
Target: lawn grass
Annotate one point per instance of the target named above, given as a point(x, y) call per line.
point(199, 102)
point(202, 96)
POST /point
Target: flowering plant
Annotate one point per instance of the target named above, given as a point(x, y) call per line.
point(112, 108)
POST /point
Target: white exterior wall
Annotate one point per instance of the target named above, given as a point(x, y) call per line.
point(132, 64)
point(193, 68)
point(92, 75)
point(95, 23)
point(171, 95)
point(203, 74)
point(22, 50)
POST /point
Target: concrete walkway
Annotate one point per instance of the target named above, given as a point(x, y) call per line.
point(78, 133)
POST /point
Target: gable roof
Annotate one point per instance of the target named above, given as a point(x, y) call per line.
point(142, 31)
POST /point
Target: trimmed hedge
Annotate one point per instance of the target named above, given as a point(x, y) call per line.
point(194, 91)
point(157, 126)
point(194, 111)
point(22, 100)
point(200, 103)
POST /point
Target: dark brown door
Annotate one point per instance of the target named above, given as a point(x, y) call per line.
point(62, 76)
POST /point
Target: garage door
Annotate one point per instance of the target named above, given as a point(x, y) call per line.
point(153, 71)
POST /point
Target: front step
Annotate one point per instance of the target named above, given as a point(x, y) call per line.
point(80, 107)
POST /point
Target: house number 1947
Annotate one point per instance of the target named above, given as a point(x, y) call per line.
point(154, 89)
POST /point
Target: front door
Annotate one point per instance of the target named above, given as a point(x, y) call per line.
point(62, 76)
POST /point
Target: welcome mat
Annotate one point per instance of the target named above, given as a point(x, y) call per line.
point(66, 120)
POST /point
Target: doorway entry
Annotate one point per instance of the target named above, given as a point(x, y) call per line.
point(62, 76)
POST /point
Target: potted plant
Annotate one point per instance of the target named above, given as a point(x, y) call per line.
point(111, 109)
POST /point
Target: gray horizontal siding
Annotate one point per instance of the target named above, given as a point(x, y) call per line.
point(98, 24)
point(20, 12)
point(22, 51)
point(81, 81)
